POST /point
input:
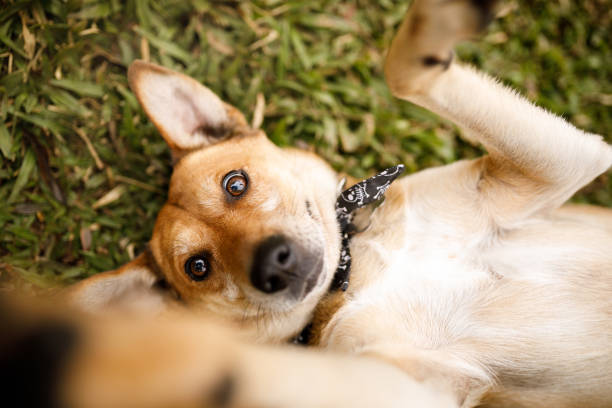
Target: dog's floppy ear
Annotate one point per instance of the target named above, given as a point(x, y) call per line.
point(188, 115)
point(131, 287)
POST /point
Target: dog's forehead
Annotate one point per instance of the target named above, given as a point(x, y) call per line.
point(197, 181)
point(255, 152)
point(231, 151)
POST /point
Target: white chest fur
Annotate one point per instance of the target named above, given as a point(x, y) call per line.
point(490, 305)
point(409, 281)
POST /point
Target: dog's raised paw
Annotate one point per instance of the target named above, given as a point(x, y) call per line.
point(487, 10)
point(471, 17)
point(435, 25)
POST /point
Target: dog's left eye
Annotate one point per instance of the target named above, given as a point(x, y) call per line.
point(197, 268)
point(235, 183)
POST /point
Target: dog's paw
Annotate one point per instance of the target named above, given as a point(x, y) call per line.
point(446, 22)
point(486, 10)
point(423, 46)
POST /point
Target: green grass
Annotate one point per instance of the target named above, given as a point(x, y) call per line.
point(83, 172)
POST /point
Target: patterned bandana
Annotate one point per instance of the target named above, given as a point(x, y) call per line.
point(363, 193)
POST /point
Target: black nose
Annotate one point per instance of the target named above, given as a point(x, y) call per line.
point(274, 264)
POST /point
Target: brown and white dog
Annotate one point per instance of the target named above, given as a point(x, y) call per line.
point(471, 278)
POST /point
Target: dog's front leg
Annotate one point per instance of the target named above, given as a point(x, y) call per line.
point(303, 378)
point(536, 160)
point(186, 361)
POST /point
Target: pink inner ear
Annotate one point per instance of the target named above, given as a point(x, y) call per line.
point(188, 115)
point(181, 107)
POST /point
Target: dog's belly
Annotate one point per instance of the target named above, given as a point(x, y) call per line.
point(404, 296)
point(529, 313)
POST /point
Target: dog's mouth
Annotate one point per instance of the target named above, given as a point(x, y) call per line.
point(309, 276)
point(314, 279)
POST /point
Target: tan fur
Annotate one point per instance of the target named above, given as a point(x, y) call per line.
point(188, 361)
point(471, 277)
point(325, 311)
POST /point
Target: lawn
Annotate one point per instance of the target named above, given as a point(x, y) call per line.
point(83, 172)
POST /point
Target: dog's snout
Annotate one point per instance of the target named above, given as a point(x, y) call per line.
point(274, 264)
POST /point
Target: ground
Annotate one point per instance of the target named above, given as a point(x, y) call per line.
point(83, 172)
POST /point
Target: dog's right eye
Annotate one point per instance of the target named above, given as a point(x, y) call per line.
point(235, 183)
point(197, 268)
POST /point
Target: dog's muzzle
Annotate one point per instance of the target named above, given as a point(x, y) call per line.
point(280, 264)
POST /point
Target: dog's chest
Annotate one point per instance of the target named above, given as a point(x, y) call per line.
point(410, 278)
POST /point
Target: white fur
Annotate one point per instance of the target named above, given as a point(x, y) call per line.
point(470, 276)
point(271, 203)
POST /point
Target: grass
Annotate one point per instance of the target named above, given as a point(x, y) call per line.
point(83, 172)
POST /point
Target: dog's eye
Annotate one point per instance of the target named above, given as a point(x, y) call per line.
point(197, 268)
point(235, 183)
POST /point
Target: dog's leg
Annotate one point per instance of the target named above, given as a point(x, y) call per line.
point(536, 160)
point(53, 356)
point(179, 361)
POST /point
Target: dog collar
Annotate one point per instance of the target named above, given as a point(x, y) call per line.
point(361, 194)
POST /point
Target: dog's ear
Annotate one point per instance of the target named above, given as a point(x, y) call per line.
point(132, 287)
point(188, 115)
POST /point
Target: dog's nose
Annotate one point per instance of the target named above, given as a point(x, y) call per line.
point(274, 264)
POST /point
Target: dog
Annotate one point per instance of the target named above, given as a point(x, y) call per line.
point(473, 279)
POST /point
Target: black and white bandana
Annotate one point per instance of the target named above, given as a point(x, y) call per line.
point(363, 193)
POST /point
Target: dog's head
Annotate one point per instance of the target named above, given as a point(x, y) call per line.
point(249, 231)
